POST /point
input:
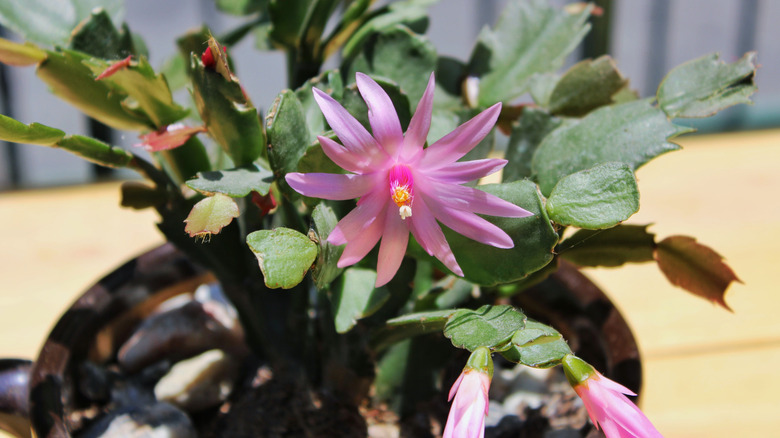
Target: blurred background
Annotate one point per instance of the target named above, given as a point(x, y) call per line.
point(646, 37)
point(708, 372)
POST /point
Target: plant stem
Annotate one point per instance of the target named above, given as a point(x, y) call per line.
point(300, 70)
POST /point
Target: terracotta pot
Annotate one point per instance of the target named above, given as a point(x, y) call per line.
point(103, 316)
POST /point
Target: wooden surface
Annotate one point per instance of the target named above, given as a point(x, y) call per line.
point(709, 373)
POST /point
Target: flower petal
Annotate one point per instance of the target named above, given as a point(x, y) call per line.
point(348, 160)
point(331, 185)
point(428, 233)
point(459, 142)
point(417, 132)
point(358, 247)
point(361, 217)
point(393, 247)
point(351, 133)
point(471, 199)
point(612, 385)
point(471, 225)
point(465, 171)
point(381, 114)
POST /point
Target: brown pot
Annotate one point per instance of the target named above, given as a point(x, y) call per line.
point(100, 318)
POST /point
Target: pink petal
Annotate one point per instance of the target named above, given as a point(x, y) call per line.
point(417, 132)
point(381, 114)
point(168, 137)
point(455, 387)
point(612, 385)
point(362, 216)
point(330, 185)
point(344, 158)
point(471, 199)
point(467, 413)
point(351, 133)
point(612, 411)
point(465, 171)
point(459, 142)
point(393, 247)
point(471, 225)
point(428, 233)
point(358, 247)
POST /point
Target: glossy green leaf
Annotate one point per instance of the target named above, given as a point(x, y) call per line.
point(87, 148)
point(447, 293)
point(237, 182)
point(410, 325)
point(400, 56)
point(34, 133)
point(443, 121)
point(210, 215)
point(285, 256)
point(147, 91)
point(315, 160)
point(409, 13)
point(287, 18)
point(537, 345)
point(587, 85)
point(72, 81)
point(632, 133)
point(329, 82)
point(704, 86)
point(230, 118)
point(596, 198)
point(97, 36)
point(12, 53)
point(95, 151)
point(531, 37)
point(324, 220)
point(313, 27)
point(488, 326)
point(50, 24)
point(241, 7)
point(541, 87)
point(612, 247)
point(350, 21)
point(695, 267)
point(527, 134)
point(175, 71)
point(288, 137)
point(534, 239)
point(354, 297)
point(184, 162)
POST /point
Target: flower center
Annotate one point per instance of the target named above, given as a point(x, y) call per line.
point(402, 189)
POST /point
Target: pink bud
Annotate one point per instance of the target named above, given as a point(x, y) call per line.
point(115, 67)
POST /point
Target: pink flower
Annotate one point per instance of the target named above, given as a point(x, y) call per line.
point(169, 137)
point(606, 403)
point(402, 186)
point(468, 411)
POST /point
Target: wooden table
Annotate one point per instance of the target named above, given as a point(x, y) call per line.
point(709, 373)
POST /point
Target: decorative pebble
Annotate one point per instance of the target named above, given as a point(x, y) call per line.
point(180, 332)
point(155, 420)
point(199, 383)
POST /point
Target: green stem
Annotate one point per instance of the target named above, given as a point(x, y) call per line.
point(408, 326)
point(300, 70)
